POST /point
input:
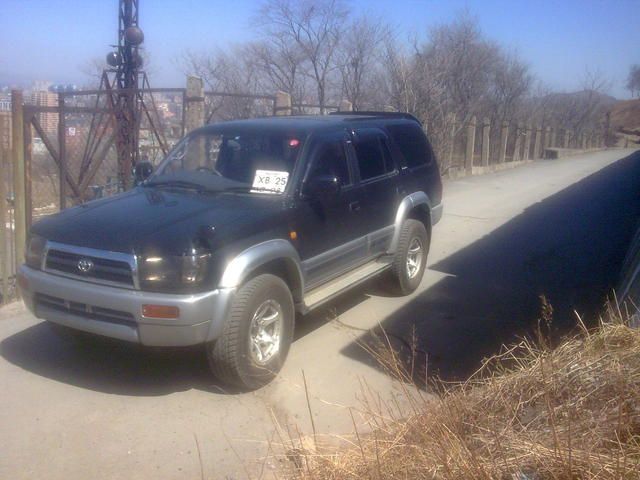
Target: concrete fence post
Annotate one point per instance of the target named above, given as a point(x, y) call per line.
point(504, 136)
point(554, 138)
point(345, 106)
point(526, 151)
point(4, 218)
point(517, 143)
point(583, 141)
point(547, 139)
point(194, 109)
point(486, 130)
point(19, 188)
point(565, 141)
point(471, 140)
point(283, 103)
point(452, 137)
point(537, 142)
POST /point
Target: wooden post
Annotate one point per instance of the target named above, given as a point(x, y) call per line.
point(4, 239)
point(62, 152)
point(283, 103)
point(17, 142)
point(537, 141)
point(486, 130)
point(194, 111)
point(504, 136)
point(471, 139)
point(517, 143)
point(28, 151)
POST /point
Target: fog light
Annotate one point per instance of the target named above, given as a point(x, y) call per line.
point(160, 311)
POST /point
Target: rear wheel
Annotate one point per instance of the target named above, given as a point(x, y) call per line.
point(410, 259)
point(257, 334)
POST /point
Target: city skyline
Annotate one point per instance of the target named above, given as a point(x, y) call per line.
point(559, 40)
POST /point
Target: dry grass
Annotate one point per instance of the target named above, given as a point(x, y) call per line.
point(533, 412)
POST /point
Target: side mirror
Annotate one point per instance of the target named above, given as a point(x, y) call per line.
point(323, 186)
point(142, 171)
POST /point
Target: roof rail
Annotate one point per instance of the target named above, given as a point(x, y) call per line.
point(405, 115)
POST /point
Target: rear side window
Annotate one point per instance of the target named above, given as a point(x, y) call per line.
point(372, 151)
point(413, 144)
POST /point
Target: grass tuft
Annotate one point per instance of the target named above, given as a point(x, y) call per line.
point(532, 412)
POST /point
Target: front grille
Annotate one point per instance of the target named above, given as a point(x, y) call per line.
point(104, 270)
point(84, 310)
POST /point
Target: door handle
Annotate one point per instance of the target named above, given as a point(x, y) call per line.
point(354, 206)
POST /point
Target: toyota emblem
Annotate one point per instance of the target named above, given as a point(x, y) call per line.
point(85, 265)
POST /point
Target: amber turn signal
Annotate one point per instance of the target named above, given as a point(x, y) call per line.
point(160, 311)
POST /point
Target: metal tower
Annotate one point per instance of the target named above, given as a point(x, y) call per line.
point(127, 106)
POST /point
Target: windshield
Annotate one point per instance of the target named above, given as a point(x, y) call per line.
point(258, 162)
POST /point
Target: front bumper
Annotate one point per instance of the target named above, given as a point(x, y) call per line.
point(79, 304)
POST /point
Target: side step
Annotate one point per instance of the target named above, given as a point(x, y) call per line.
point(332, 289)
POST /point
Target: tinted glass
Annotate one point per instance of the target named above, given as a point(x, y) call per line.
point(330, 159)
point(374, 158)
point(237, 156)
point(412, 143)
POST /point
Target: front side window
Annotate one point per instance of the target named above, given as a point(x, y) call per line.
point(330, 159)
point(258, 161)
point(372, 151)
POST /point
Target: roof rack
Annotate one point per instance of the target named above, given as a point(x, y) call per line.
point(368, 113)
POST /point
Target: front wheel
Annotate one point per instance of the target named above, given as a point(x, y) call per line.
point(257, 334)
point(410, 259)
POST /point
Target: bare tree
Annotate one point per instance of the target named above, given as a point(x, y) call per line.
point(225, 72)
point(280, 64)
point(580, 111)
point(315, 27)
point(633, 80)
point(357, 58)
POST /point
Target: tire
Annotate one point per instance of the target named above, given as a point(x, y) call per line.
point(235, 358)
point(404, 279)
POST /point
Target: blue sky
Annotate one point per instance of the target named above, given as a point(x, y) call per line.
point(51, 39)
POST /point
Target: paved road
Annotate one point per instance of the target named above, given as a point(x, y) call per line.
point(106, 410)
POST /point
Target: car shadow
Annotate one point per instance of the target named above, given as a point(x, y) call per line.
point(568, 248)
point(109, 366)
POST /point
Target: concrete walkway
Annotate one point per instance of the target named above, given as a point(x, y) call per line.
point(108, 411)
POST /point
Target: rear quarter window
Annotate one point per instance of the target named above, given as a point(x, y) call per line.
point(413, 144)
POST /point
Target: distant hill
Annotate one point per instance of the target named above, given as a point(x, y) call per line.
point(625, 121)
point(603, 99)
point(626, 114)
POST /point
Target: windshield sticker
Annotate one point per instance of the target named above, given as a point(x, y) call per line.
point(270, 181)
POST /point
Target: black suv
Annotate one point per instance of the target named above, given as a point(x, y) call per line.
point(243, 224)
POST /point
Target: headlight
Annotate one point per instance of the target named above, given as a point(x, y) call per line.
point(35, 251)
point(173, 273)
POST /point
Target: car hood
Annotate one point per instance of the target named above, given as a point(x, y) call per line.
point(157, 219)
